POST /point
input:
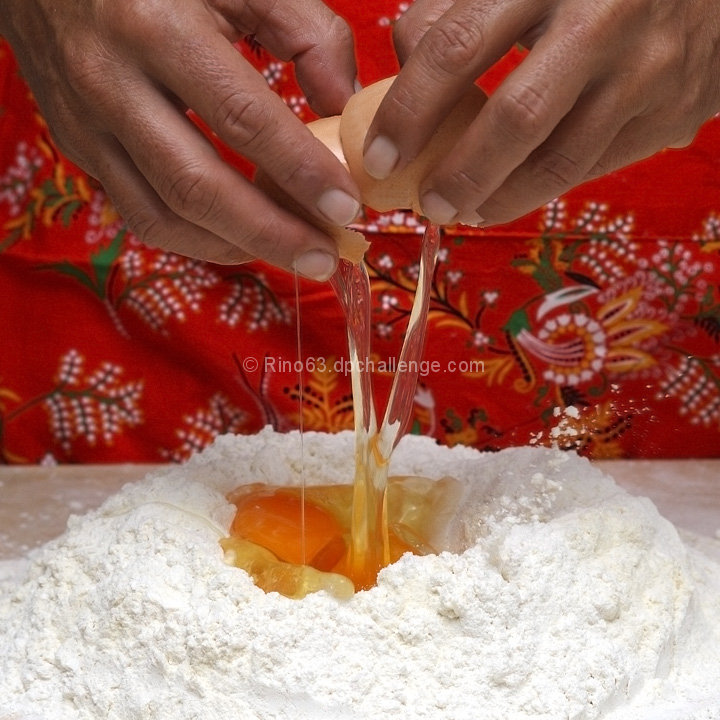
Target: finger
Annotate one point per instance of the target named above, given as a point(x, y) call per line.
point(229, 94)
point(564, 160)
point(414, 23)
point(316, 39)
point(642, 137)
point(147, 216)
point(517, 118)
point(461, 45)
point(188, 176)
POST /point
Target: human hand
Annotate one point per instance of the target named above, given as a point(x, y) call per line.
point(604, 85)
point(114, 81)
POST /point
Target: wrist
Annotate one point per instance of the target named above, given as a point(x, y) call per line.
point(24, 26)
point(8, 10)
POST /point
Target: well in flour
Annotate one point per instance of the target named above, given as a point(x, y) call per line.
point(560, 597)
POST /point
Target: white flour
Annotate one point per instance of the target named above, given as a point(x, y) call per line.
point(564, 598)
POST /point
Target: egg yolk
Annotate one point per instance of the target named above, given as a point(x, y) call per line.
point(275, 520)
point(295, 542)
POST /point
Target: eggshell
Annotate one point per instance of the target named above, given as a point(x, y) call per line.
point(400, 190)
point(351, 244)
point(345, 135)
point(327, 130)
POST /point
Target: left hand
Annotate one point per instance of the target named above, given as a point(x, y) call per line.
point(114, 80)
point(604, 85)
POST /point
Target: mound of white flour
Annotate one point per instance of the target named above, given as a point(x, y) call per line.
point(564, 597)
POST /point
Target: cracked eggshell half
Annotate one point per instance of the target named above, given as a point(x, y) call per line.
point(400, 190)
point(345, 135)
point(351, 244)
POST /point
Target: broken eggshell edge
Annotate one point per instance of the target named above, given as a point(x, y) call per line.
point(344, 135)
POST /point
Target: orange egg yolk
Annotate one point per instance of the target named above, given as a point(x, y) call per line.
point(275, 521)
point(311, 532)
point(296, 542)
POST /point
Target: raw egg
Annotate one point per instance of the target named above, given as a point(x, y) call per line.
point(345, 135)
point(298, 541)
point(295, 541)
point(400, 190)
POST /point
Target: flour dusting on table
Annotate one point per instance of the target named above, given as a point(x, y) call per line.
point(559, 596)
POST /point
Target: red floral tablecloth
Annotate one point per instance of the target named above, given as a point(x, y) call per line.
point(594, 322)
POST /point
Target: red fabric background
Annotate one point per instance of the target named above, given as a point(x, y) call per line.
point(113, 352)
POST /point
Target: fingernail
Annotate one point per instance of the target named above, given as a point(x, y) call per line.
point(473, 220)
point(381, 157)
point(437, 209)
point(358, 86)
point(338, 207)
point(316, 265)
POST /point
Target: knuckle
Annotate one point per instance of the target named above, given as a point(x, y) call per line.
point(139, 24)
point(95, 80)
point(467, 186)
point(403, 102)
point(146, 225)
point(683, 137)
point(186, 190)
point(557, 171)
point(263, 239)
point(522, 113)
point(230, 255)
point(245, 121)
point(453, 43)
point(300, 171)
point(407, 34)
point(687, 109)
point(680, 130)
point(504, 208)
point(676, 128)
point(669, 51)
point(85, 72)
point(603, 166)
point(338, 33)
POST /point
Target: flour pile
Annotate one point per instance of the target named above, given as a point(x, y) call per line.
point(562, 597)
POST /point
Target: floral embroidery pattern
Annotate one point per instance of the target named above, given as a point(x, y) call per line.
point(161, 287)
point(94, 406)
point(157, 287)
point(57, 199)
point(593, 323)
point(603, 314)
point(17, 180)
point(204, 425)
point(104, 224)
point(250, 297)
point(322, 406)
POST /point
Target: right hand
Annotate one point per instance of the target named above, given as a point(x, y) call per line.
point(114, 81)
point(605, 84)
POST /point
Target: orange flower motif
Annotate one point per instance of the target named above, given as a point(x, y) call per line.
point(326, 403)
point(466, 436)
point(573, 345)
point(577, 347)
point(593, 431)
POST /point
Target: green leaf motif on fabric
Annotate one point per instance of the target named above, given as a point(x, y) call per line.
point(101, 263)
point(103, 260)
point(518, 322)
